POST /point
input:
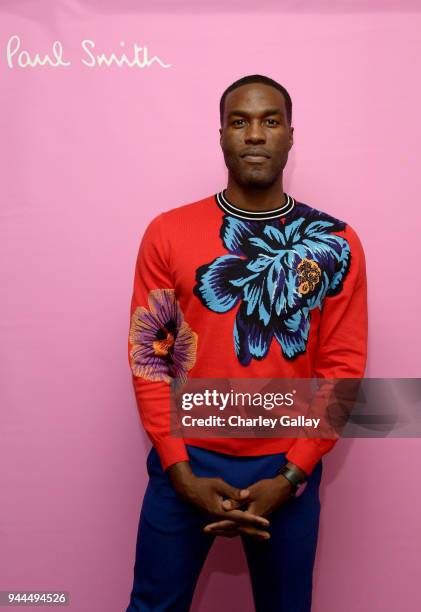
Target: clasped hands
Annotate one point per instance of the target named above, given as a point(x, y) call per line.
point(234, 511)
point(256, 503)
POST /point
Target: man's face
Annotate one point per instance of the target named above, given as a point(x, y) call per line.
point(255, 136)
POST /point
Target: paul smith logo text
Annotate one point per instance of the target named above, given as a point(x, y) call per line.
point(133, 56)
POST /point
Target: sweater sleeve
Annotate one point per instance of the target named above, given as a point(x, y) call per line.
point(342, 348)
point(155, 319)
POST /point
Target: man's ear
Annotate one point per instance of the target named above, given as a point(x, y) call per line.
point(291, 137)
point(220, 135)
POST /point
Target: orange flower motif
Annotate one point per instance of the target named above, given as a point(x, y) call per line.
point(163, 344)
point(309, 275)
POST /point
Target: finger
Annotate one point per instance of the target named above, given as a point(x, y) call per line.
point(232, 504)
point(257, 534)
point(225, 533)
point(247, 518)
point(220, 525)
point(223, 526)
point(233, 492)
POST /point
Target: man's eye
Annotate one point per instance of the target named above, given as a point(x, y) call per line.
point(272, 121)
point(237, 121)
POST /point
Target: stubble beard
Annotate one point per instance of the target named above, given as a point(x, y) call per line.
point(252, 178)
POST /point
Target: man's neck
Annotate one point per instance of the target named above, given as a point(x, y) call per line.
point(255, 199)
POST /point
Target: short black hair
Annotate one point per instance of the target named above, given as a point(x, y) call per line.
point(257, 78)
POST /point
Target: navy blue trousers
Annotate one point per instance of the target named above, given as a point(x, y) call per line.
point(171, 547)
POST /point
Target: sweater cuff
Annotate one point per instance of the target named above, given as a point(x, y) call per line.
point(307, 452)
point(171, 450)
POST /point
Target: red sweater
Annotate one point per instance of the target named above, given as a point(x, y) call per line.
point(220, 292)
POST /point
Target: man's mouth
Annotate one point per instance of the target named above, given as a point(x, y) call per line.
point(256, 156)
point(255, 159)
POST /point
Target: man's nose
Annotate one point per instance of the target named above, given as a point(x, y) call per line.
point(255, 132)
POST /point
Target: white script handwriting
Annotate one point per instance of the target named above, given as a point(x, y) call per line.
point(24, 59)
point(139, 56)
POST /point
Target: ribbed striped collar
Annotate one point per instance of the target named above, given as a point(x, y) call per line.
point(250, 215)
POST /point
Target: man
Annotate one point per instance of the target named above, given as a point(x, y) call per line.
point(248, 282)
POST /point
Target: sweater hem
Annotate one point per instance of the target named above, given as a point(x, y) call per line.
point(244, 447)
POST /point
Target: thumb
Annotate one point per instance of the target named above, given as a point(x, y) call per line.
point(237, 496)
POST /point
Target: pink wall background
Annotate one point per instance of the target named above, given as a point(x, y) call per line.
point(88, 156)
